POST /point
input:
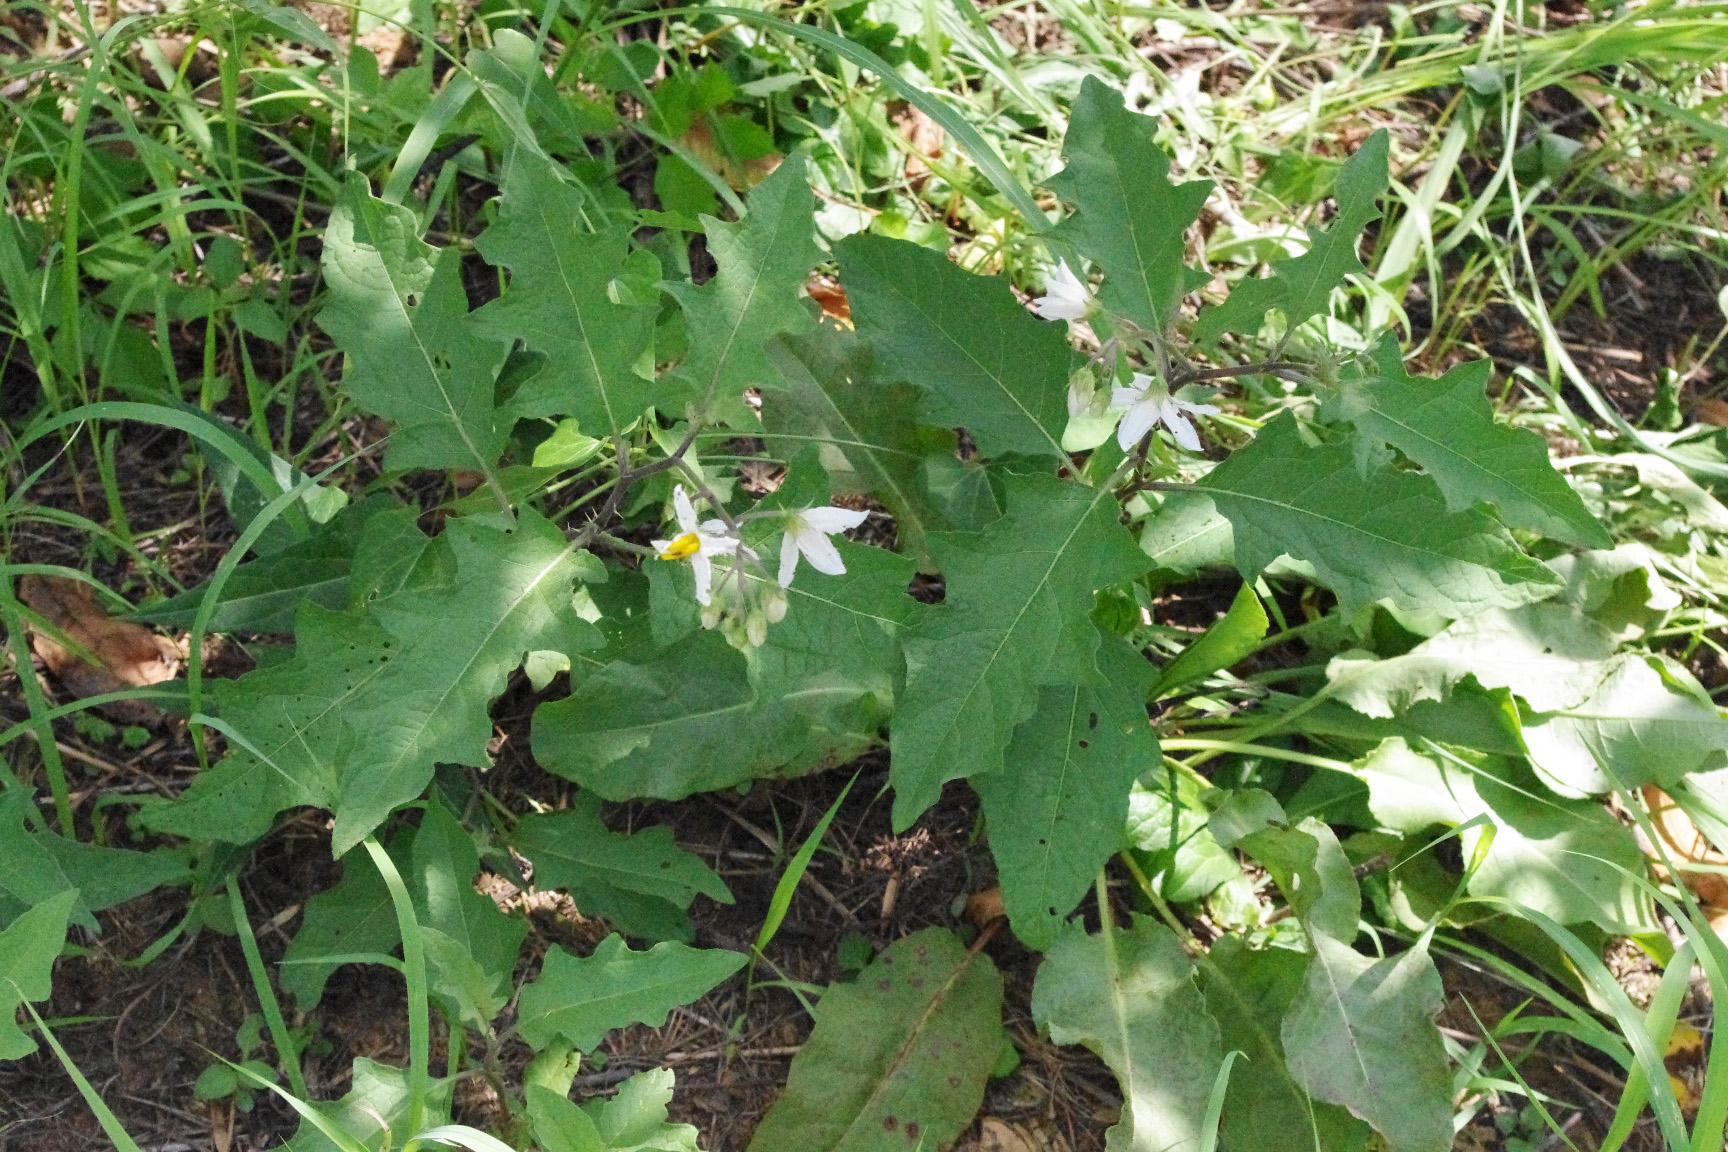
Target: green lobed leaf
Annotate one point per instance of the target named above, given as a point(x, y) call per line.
point(373, 699)
point(1383, 534)
point(1448, 427)
point(560, 300)
point(1128, 994)
point(373, 1110)
point(580, 999)
point(1300, 286)
point(36, 865)
point(397, 308)
point(825, 391)
point(1179, 853)
point(1129, 219)
point(1569, 859)
point(1549, 654)
point(1309, 866)
point(898, 1058)
point(757, 294)
point(1056, 808)
point(980, 359)
point(28, 948)
point(632, 1120)
point(1015, 618)
point(472, 945)
point(1361, 1033)
point(354, 917)
point(698, 716)
point(609, 874)
point(1249, 991)
point(1646, 720)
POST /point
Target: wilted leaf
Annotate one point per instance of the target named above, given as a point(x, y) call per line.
point(898, 1058)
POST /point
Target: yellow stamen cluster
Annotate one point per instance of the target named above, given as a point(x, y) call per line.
point(682, 548)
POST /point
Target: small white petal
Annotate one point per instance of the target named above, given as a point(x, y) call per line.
point(1196, 409)
point(788, 556)
point(682, 508)
point(1066, 296)
point(1122, 399)
point(703, 569)
point(832, 520)
point(821, 553)
point(1136, 422)
point(1170, 415)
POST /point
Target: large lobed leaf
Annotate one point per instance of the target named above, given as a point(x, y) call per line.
point(1056, 808)
point(1016, 618)
point(1448, 427)
point(980, 359)
point(898, 1058)
point(28, 948)
point(397, 308)
point(1369, 535)
point(580, 999)
point(1129, 219)
point(560, 300)
point(1128, 994)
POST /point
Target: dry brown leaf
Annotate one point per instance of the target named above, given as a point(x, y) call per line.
point(1711, 410)
point(831, 298)
point(984, 906)
point(997, 1135)
point(740, 175)
point(926, 138)
point(91, 653)
point(1685, 842)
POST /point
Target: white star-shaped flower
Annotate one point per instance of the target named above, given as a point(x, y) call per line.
point(1066, 296)
point(1145, 404)
point(699, 543)
point(807, 532)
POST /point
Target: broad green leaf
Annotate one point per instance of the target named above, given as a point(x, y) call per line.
point(473, 962)
point(1300, 286)
point(397, 308)
point(1236, 634)
point(1056, 808)
point(1248, 991)
point(579, 1000)
point(1015, 618)
point(757, 293)
point(1549, 654)
point(699, 716)
point(37, 865)
point(373, 1111)
point(1315, 876)
point(1181, 857)
point(982, 361)
point(373, 699)
point(1186, 534)
point(1361, 1033)
point(1645, 721)
point(609, 874)
point(1569, 859)
point(1128, 994)
point(352, 918)
point(1383, 534)
point(560, 300)
point(633, 1120)
point(1129, 219)
point(28, 948)
point(824, 391)
point(1448, 427)
point(898, 1058)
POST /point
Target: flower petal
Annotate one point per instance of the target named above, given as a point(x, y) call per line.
point(821, 553)
point(1170, 415)
point(703, 569)
point(682, 508)
point(832, 520)
point(788, 557)
point(1136, 422)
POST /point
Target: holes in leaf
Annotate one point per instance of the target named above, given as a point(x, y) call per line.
point(1091, 719)
point(413, 299)
point(1085, 744)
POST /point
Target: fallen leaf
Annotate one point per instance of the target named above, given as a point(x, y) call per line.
point(926, 138)
point(1711, 410)
point(739, 173)
point(984, 906)
point(996, 1135)
point(831, 298)
point(90, 652)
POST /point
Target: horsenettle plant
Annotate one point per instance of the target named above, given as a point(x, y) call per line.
point(710, 640)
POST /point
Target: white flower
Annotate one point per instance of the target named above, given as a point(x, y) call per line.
point(807, 532)
point(1065, 296)
point(1144, 404)
point(699, 543)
